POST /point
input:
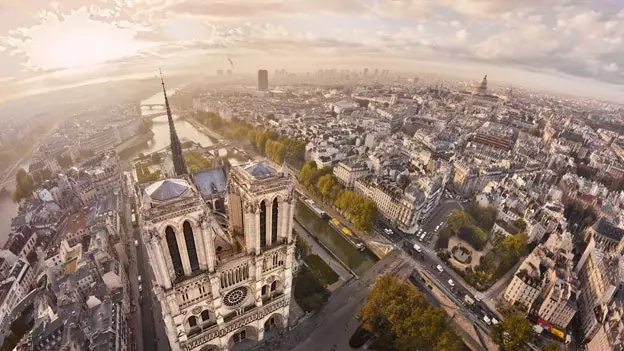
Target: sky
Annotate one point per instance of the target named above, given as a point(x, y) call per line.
point(569, 46)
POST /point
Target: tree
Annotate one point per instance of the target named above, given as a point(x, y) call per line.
point(513, 332)
point(24, 185)
point(156, 159)
point(402, 319)
point(65, 161)
point(302, 249)
point(325, 185)
point(520, 223)
point(552, 347)
point(309, 293)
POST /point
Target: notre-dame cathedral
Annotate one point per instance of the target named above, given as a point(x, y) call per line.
point(220, 279)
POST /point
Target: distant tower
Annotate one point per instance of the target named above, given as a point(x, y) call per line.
point(263, 80)
point(376, 72)
point(176, 149)
point(481, 88)
point(365, 72)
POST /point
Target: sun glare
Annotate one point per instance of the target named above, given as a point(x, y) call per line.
point(77, 41)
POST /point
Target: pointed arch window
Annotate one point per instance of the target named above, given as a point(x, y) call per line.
point(205, 316)
point(174, 251)
point(274, 217)
point(263, 223)
point(190, 245)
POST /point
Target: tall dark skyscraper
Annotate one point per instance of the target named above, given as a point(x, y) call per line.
point(179, 166)
point(263, 80)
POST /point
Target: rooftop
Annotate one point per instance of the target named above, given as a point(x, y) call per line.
point(167, 189)
point(210, 181)
point(259, 170)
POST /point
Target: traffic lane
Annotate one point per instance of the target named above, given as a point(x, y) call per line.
point(456, 293)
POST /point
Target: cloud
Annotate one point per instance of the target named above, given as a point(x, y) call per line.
point(579, 38)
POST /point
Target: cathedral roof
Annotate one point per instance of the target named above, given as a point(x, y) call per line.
point(210, 181)
point(259, 170)
point(167, 189)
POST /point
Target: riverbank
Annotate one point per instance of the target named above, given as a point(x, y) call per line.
point(203, 129)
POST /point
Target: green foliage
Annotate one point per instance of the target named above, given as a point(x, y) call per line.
point(359, 210)
point(321, 270)
point(402, 319)
point(196, 161)
point(276, 151)
point(473, 235)
point(302, 249)
point(483, 216)
point(513, 332)
point(65, 161)
point(25, 185)
point(309, 293)
point(552, 347)
point(210, 119)
point(520, 223)
point(144, 175)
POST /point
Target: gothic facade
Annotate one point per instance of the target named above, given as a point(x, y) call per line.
point(217, 287)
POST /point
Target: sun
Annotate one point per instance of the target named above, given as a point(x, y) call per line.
point(77, 41)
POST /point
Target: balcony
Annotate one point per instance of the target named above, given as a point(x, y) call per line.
point(233, 323)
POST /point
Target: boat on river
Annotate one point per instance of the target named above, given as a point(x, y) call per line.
point(314, 207)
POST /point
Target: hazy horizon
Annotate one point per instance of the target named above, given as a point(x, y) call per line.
point(570, 47)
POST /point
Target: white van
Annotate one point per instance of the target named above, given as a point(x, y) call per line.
point(487, 320)
point(139, 278)
point(417, 248)
point(439, 268)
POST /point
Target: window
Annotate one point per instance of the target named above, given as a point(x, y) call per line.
point(174, 251)
point(190, 245)
point(205, 316)
point(192, 321)
point(262, 224)
point(274, 216)
point(274, 286)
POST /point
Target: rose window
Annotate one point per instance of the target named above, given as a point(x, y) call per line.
point(236, 296)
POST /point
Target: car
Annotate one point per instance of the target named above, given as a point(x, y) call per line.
point(439, 268)
point(139, 278)
point(390, 232)
point(136, 243)
point(487, 320)
point(417, 248)
point(494, 321)
point(451, 283)
point(140, 287)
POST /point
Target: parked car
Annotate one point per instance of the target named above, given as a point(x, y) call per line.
point(417, 248)
point(487, 320)
point(139, 278)
point(451, 283)
point(439, 268)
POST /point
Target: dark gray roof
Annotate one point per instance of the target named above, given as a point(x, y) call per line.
point(259, 170)
point(607, 229)
point(167, 189)
point(210, 181)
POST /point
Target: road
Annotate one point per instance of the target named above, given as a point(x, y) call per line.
point(146, 320)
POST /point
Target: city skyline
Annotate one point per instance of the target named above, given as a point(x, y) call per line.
point(564, 46)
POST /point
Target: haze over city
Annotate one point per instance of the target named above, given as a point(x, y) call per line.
point(292, 175)
point(566, 46)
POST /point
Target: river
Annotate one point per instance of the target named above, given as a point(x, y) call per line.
point(160, 140)
point(357, 260)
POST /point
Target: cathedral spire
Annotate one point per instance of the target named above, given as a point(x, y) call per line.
point(179, 166)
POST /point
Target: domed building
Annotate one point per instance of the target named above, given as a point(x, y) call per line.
point(220, 287)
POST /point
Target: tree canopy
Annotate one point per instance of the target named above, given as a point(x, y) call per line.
point(402, 319)
point(25, 185)
point(513, 332)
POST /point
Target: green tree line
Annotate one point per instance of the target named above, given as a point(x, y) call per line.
point(276, 147)
point(358, 209)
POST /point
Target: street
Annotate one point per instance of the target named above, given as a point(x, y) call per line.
point(146, 321)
